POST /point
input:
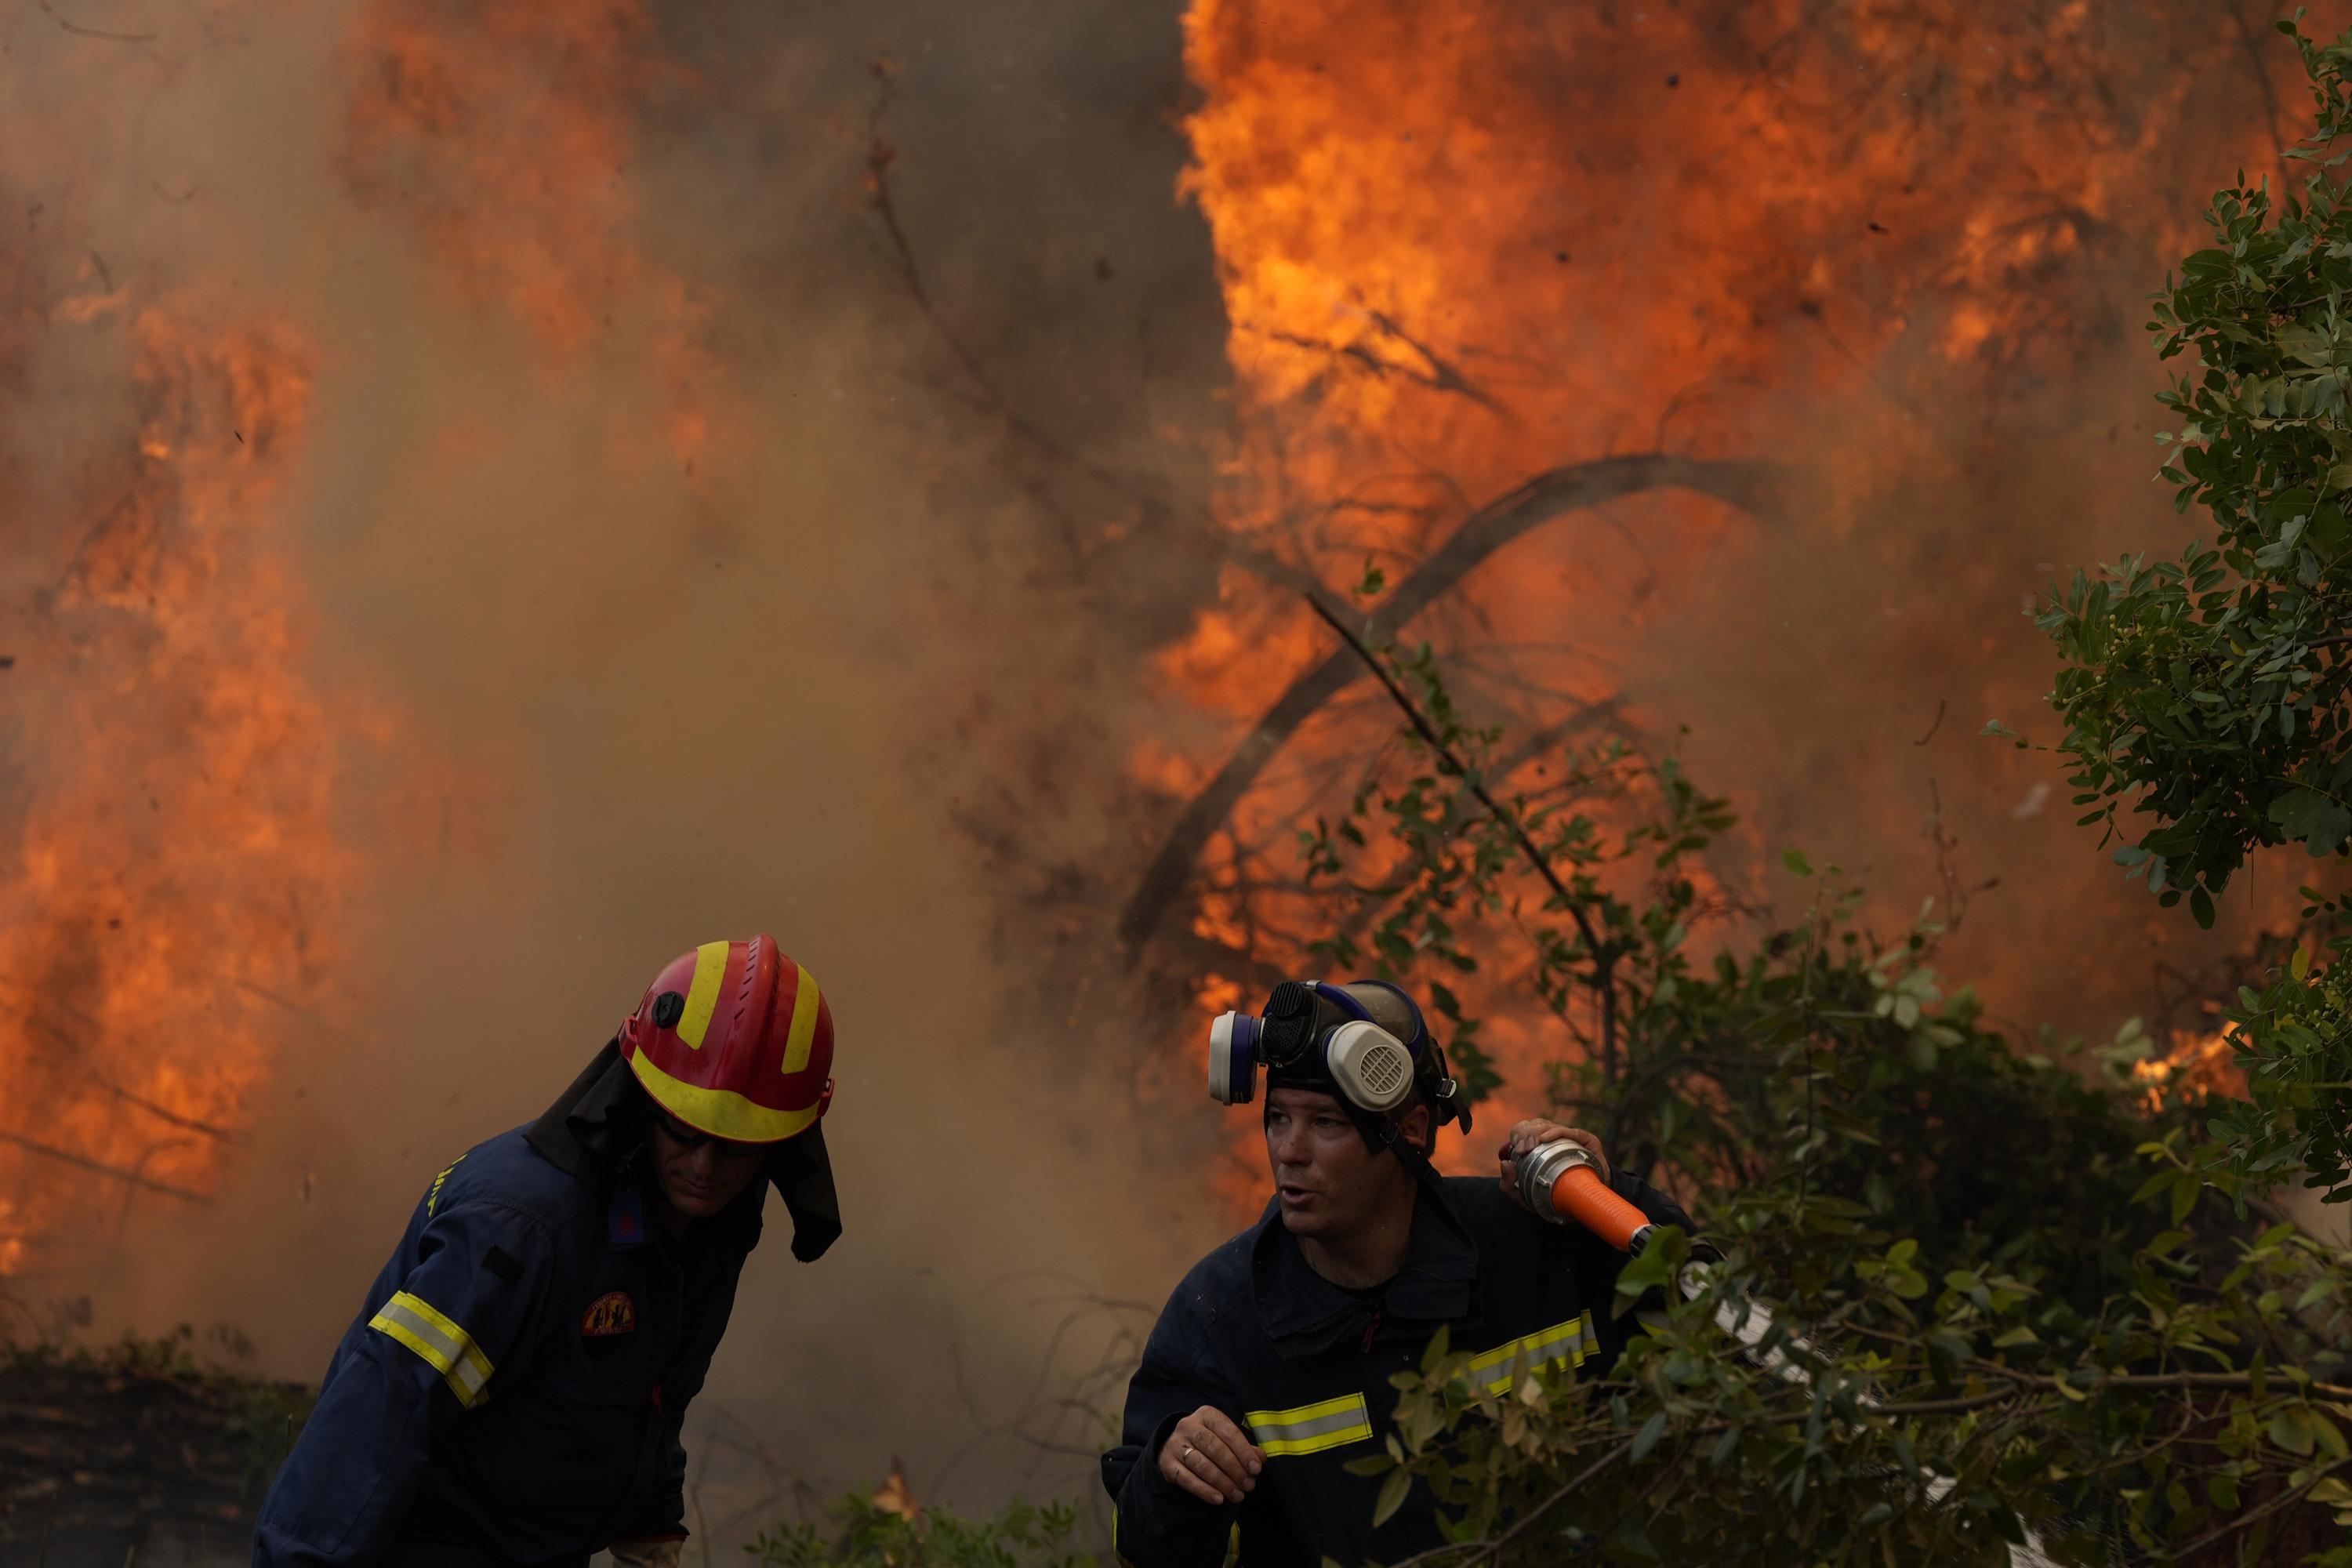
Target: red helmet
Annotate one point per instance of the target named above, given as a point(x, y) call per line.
point(734, 1040)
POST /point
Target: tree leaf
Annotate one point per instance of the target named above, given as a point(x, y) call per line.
point(2292, 1431)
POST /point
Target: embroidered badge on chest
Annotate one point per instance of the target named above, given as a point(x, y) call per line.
point(611, 1313)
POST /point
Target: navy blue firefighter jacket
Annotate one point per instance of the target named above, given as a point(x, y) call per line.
point(1302, 1366)
point(512, 1390)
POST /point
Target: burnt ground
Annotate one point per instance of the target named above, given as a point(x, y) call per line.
point(135, 1454)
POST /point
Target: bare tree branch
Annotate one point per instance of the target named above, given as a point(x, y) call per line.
point(1436, 372)
point(981, 391)
point(79, 31)
point(1604, 954)
point(1747, 483)
point(84, 1162)
point(2247, 36)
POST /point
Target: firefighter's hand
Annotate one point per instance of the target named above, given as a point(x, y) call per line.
point(646, 1554)
point(1532, 1134)
point(1210, 1457)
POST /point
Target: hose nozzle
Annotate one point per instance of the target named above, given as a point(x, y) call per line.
point(1563, 1182)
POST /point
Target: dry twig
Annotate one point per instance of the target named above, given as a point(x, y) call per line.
point(1744, 483)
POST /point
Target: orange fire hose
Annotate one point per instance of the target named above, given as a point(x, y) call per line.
point(1581, 1196)
point(1564, 1175)
point(1562, 1179)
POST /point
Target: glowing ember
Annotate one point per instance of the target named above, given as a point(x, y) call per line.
point(2197, 1068)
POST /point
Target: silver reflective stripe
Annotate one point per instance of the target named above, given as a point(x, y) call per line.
point(468, 1379)
point(1311, 1429)
point(1298, 1431)
point(430, 1337)
point(1562, 1344)
point(450, 1354)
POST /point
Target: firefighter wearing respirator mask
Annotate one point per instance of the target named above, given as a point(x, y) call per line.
point(1269, 1372)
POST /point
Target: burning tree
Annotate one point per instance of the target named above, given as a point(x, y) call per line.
point(2209, 692)
point(2028, 1295)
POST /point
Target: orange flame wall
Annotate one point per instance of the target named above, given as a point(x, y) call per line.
point(1899, 246)
point(176, 876)
point(183, 897)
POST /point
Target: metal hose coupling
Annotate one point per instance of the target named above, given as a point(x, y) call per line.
point(1561, 1182)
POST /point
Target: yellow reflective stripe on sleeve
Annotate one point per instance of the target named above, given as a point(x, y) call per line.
point(702, 994)
point(1311, 1429)
point(1562, 1344)
point(439, 1343)
point(804, 1029)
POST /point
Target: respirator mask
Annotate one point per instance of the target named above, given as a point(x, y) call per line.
point(1364, 1042)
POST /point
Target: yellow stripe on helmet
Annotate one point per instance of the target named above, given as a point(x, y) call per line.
point(720, 1113)
point(806, 1004)
point(702, 995)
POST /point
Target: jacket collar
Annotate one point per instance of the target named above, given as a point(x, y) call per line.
point(1305, 1314)
point(624, 1219)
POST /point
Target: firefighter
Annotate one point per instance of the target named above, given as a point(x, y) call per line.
point(1269, 1372)
point(512, 1391)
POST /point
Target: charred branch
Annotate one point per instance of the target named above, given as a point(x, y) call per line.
point(1604, 954)
point(1744, 483)
point(2255, 66)
point(1606, 715)
point(1435, 371)
point(137, 1102)
point(981, 391)
point(83, 1163)
point(78, 31)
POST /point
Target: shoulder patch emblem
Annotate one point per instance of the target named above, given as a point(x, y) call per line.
point(433, 1194)
point(611, 1313)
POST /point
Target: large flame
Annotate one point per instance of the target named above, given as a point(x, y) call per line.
point(177, 877)
point(1461, 246)
point(182, 891)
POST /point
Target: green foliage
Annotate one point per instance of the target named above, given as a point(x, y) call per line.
point(231, 1426)
point(1941, 1410)
point(877, 1531)
point(2211, 693)
point(2298, 1113)
point(1685, 1055)
point(2020, 1302)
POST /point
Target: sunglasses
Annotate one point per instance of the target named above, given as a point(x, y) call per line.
point(686, 1137)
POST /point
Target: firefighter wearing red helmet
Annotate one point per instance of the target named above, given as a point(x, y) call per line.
point(513, 1390)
